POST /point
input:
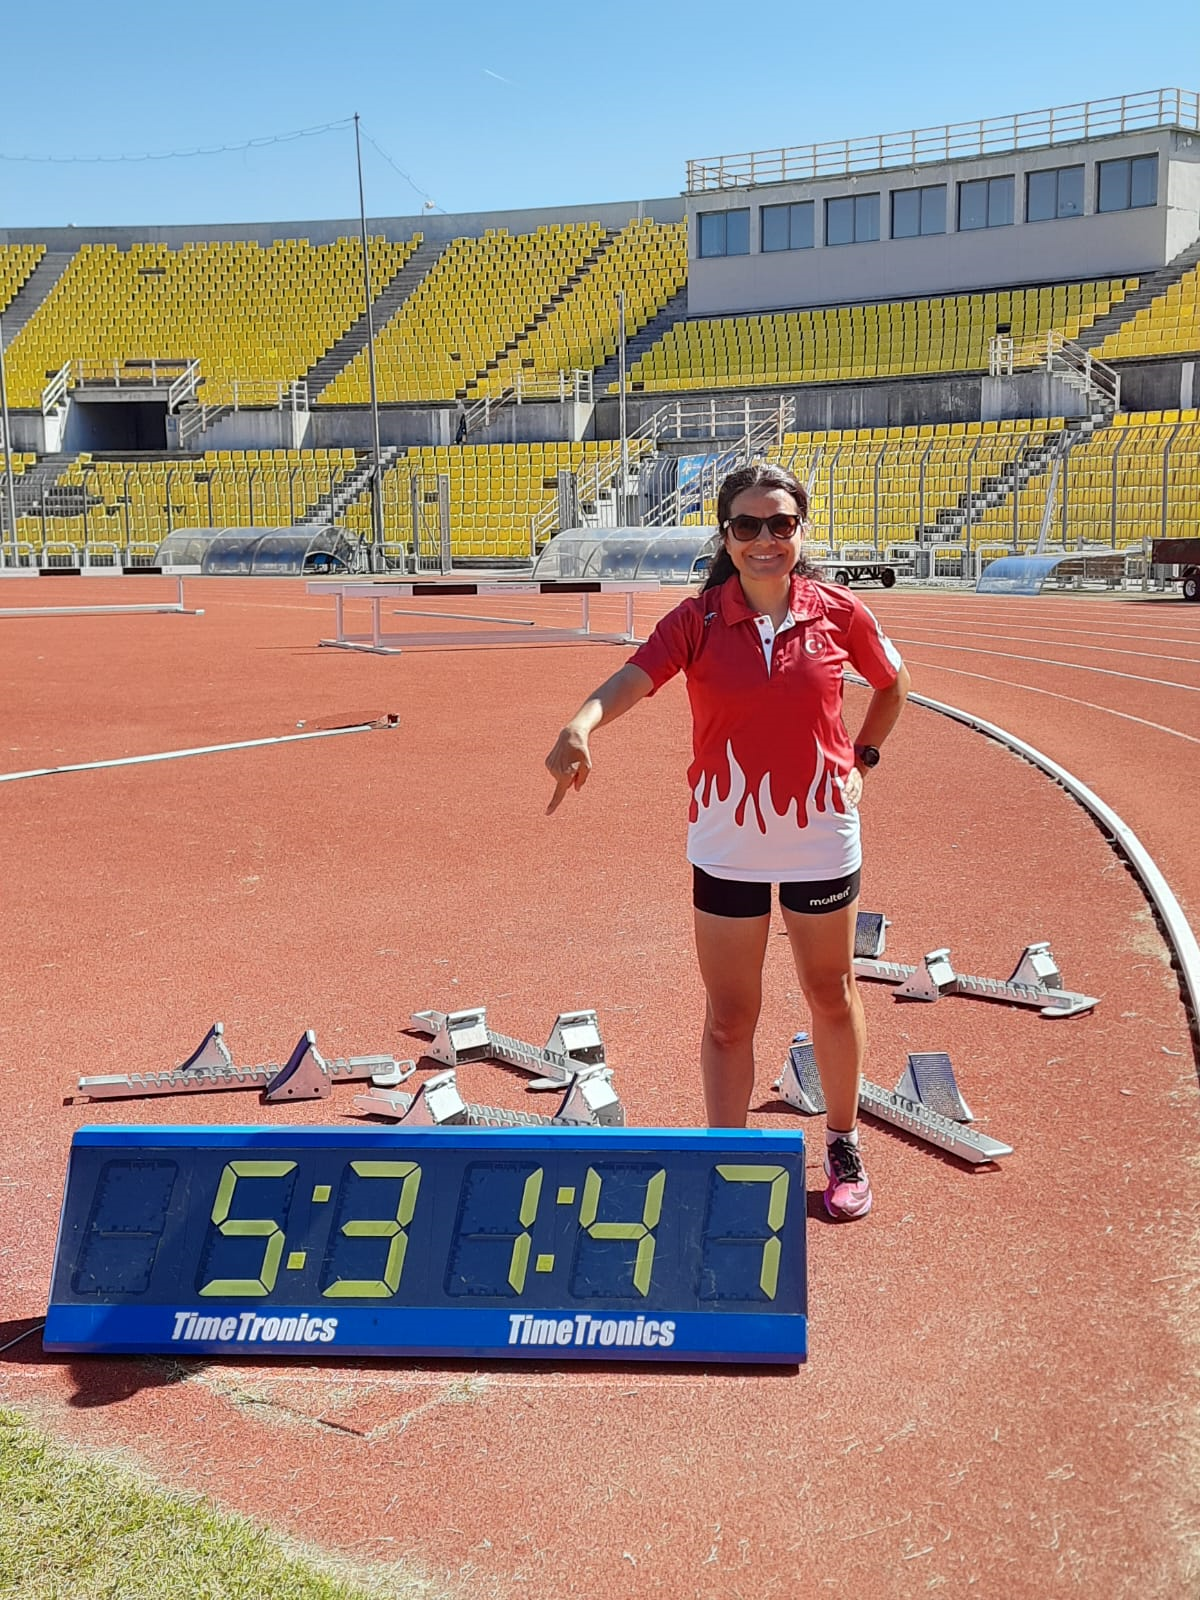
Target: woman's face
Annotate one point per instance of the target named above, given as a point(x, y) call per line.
point(765, 556)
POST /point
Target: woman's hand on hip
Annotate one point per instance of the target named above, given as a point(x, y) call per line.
point(852, 788)
point(568, 764)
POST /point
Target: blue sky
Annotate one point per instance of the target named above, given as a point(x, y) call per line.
point(489, 106)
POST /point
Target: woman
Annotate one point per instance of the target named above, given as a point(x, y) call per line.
point(775, 784)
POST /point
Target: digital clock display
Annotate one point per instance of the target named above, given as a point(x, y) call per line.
point(610, 1243)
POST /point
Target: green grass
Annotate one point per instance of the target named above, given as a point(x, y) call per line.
point(74, 1527)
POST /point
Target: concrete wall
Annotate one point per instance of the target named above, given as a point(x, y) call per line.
point(434, 225)
point(1095, 244)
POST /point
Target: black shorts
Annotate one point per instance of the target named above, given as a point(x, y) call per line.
point(729, 897)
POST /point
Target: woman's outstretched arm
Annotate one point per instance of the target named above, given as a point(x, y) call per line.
point(570, 761)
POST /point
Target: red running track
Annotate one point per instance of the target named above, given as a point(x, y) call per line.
point(1001, 1396)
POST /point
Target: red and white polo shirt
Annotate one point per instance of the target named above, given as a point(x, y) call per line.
point(770, 749)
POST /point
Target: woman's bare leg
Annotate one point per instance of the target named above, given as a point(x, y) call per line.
point(730, 951)
point(823, 950)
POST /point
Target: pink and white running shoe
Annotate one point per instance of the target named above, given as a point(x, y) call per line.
point(848, 1192)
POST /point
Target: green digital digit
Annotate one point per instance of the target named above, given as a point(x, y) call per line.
point(641, 1231)
point(779, 1179)
point(518, 1264)
point(392, 1228)
point(248, 1228)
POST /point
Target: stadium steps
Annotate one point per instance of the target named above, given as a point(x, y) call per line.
point(383, 308)
point(1147, 290)
point(1030, 461)
point(34, 290)
point(350, 486)
point(636, 346)
point(61, 499)
point(539, 316)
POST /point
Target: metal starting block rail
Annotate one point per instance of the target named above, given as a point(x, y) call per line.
point(459, 1036)
point(590, 1101)
point(926, 1102)
point(306, 1075)
point(1035, 982)
point(511, 630)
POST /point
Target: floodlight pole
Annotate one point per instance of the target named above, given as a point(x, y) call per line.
point(622, 386)
point(376, 485)
point(8, 457)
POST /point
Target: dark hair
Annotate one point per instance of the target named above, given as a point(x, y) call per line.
point(757, 475)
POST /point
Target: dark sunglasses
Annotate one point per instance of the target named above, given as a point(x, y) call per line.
point(780, 526)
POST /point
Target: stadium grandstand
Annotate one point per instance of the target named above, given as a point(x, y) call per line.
point(968, 340)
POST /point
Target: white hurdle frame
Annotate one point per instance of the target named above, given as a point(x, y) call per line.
point(174, 608)
point(383, 643)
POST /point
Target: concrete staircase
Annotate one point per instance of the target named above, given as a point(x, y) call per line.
point(39, 484)
point(383, 308)
point(636, 345)
point(346, 491)
point(556, 299)
point(952, 522)
point(33, 291)
point(1148, 289)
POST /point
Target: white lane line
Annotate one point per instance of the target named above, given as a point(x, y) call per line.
point(199, 750)
point(1065, 644)
point(1029, 688)
point(1045, 661)
point(916, 621)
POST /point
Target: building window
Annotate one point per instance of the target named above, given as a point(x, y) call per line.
point(853, 219)
point(918, 211)
point(1056, 193)
point(985, 203)
point(725, 233)
point(1127, 185)
point(788, 227)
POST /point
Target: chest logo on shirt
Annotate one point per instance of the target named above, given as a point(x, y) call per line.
point(814, 644)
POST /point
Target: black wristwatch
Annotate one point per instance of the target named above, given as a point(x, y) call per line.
point(866, 754)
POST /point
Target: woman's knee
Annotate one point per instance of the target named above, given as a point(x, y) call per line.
point(831, 994)
point(730, 1023)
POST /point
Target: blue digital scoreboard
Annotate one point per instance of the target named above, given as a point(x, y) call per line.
point(614, 1244)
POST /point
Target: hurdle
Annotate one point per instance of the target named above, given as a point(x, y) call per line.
point(504, 630)
point(175, 607)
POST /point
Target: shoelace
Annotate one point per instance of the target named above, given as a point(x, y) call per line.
point(845, 1163)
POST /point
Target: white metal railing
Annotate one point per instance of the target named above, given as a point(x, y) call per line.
point(743, 424)
point(55, 392)
point(184, 386)
point(1090, 119)
point(1062, 358)
point(130, 372)
point(248, 394)
point(561, 386)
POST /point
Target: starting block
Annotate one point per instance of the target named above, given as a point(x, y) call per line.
point(589, 1101)
point(306, 1075)
point(1035, 981)
point(938, 1124)
point(461, 1036)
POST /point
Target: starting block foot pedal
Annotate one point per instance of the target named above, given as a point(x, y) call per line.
point(591, 1098)
point(929, 1079)
point(437, 1103)
point(576, 1035)
point(458, 1036)
point(800, 1083)
point(1037, 967)
point(934, 977)
point(870, 934)
point(302, 1077)
point(211, 1054)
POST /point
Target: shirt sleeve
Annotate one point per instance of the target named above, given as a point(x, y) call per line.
point(870, 650)
point(671, 647)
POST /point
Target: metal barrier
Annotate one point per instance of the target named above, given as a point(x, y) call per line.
point(956, 141)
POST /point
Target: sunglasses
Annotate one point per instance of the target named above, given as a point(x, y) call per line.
point(780, 526)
